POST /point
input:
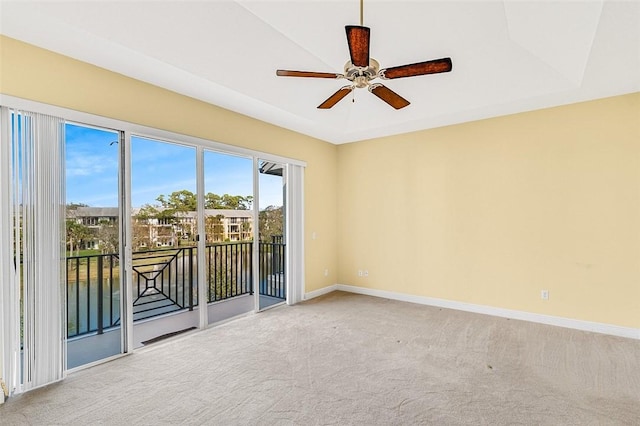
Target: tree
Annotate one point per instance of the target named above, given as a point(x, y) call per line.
point(76, 234)
point(246, 230)
point(141, 237)
point(147, 212)
point(142, 227)
point(226, 201)
point(179, 201)
point(236, 202)
point(212, 201)
point(108, 236)
point(214, 228)
point(271, 223)
point(175, 209)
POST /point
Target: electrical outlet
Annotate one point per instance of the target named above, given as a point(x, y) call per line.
point(359, 272)
point(544, 294)
point(366, 273)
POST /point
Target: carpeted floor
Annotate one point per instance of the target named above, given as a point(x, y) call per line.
point(349, 359)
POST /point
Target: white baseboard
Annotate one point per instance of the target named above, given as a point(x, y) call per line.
point(320, 292)
point(596, 327)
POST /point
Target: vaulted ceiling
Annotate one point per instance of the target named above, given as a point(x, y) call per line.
point(508, 56)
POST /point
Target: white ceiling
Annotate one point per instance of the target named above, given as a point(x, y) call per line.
point(508, 56)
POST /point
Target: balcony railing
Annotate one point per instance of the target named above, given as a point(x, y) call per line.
point(272, 270)
point(229, 270)
point(93, 292)
point(165, 281)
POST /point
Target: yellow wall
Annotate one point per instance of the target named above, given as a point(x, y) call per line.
point(33, 73)
point(489, 212)
point(494, 211)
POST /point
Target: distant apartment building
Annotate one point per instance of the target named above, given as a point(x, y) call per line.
point(181, 228)
point(92, 217)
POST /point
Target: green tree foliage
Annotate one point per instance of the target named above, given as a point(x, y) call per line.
point(174, 207)
point(214, 228)
point(271, 223)
point(76, 234)
point(186, 201)
point(212, 201)
point(141, 228)
point(147, 211)
point(226, 201)
point(179, 201)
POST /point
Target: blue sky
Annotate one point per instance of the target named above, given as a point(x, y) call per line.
point(156, 168)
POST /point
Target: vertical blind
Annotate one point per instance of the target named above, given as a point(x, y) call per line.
point(33, 238)
point(295, 233)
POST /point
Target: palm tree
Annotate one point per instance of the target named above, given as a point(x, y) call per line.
point(76, 233)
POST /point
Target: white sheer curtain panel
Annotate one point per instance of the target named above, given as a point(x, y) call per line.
point(33, 240)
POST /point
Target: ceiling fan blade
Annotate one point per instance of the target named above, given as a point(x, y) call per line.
point(389, 96)
point(358, 40)
point(290, 73)
point(421, 68)
point(336, 97)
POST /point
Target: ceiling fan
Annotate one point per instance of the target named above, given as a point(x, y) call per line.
point(361, 70)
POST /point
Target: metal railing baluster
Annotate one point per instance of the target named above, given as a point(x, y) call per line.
point(88, 294)
point(111, 257)
point(100, 294)
point(191, 279)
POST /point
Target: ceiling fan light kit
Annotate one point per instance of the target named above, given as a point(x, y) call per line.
point(361, 70)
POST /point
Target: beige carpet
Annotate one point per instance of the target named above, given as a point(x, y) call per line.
point(349, 359)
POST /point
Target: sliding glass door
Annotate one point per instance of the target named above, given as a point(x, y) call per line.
point(229, 230)
point(93, 250)
point(272, 268)
point(164, 239)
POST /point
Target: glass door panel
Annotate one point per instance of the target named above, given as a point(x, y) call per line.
point(228, 221)
point(271, 219)
point(93, 297)
point(164, 232)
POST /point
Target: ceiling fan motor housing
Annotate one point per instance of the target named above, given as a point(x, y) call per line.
point(361, 76)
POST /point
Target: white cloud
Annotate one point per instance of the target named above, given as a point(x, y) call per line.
point(80, 164)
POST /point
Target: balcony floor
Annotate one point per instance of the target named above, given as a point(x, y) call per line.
point(352, 359)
